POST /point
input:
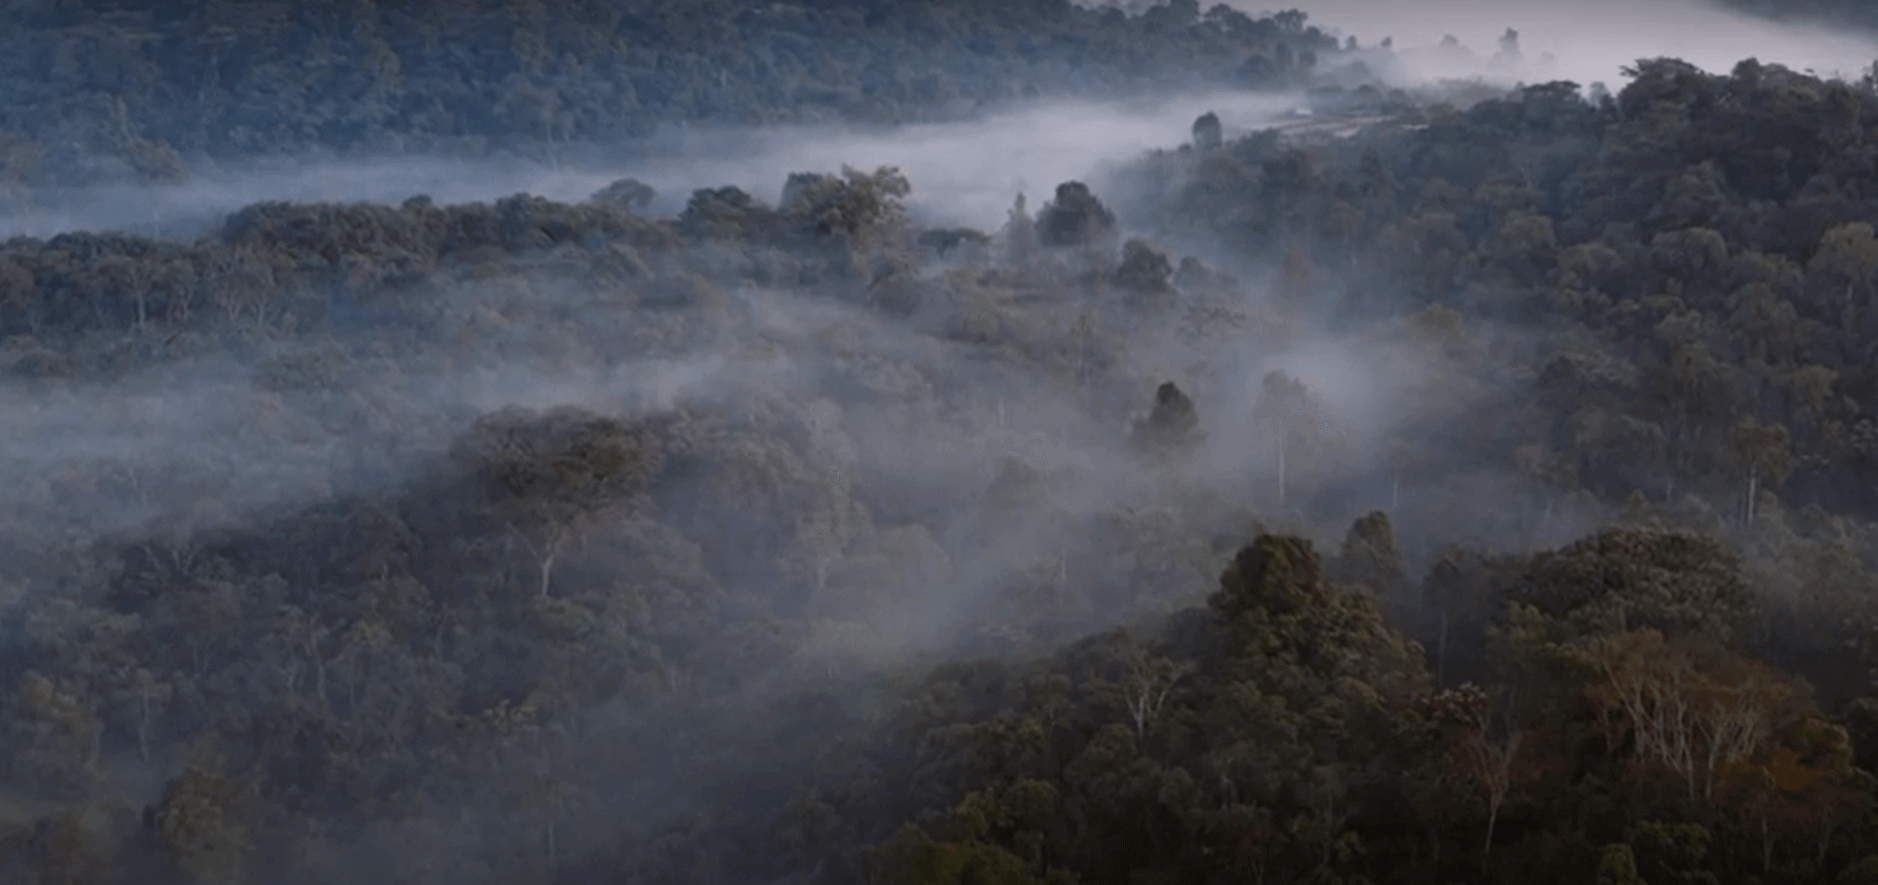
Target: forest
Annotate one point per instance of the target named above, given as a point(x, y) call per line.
point(146, 90)
point(1484, 495)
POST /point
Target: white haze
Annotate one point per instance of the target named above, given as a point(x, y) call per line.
point(1586, 41)
point(204, 429)
point(966, 173)
point(963, 173)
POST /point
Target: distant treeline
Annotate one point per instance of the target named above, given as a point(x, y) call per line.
point(105, 89)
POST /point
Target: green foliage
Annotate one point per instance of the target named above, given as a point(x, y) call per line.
point(1674, 581)
point(1074, 218)
point(711, 592)
point(1274, 575)
point(861, 206)
point(1619, 866)
point(1370, 556)
point(139, 88)
point(914, 859)
point(564, 456)
point(630, 194)
point(1670, 853)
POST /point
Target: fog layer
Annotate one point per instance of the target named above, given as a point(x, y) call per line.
point(966, 172)
point(1585, 42)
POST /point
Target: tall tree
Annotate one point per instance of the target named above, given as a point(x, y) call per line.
point(1074, 218)
point(1761, 452)
point(545, 473)
point(1020, 234)
point(1206, 132)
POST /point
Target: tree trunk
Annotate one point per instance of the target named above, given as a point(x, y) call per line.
point(1753, 480)
point(1441, 652)
point(97, 739)
point(319, 678)
point(1281, 468)
point(1486, 853)
point(143, 728)
point(1434, 840)
point(547, 559)
point(1767, 844)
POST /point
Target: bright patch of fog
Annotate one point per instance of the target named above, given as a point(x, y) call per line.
point(1586, 41)
point(963, 173)
point(966, 173)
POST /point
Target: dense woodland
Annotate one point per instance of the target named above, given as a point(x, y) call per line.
point(781, 541)
point(149, 90)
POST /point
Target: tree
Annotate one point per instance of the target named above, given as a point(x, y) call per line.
point(1306, 694)
point(1290, 416)
point(1172, 425)
point(1692, 255)
point(1489, 763)
point(1509, 47)
point(365, 642)
point(544, 473)
point(628, 194)
point(728, 213)
point(1618, 866)
point(1206, 132)
point(862, 207)
point(1803, 789)
point(1144, 271)
point(1696, 714)
point(1849, 254)
point(148, 695)
point(304, 634)
point(914, 858)
point(1020, 234)
point(1291, 184)
point(1074, 218)
point(1294, 276)
point(1760, 451)
point(1671, 852)
point(201, 822)
point(1280, 402)
point(1370, 556)
point(1147, 683)
point(825, 528)
point(1680, 583)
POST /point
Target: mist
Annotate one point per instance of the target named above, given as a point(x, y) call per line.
point(870, 453)
point(964, 173)
point(1585, 42)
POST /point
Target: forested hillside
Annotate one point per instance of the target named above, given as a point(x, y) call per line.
point(154, 89)
point(786, 541)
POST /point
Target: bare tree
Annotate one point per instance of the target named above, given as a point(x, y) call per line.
point(1151, 678)
point(1694, 717)
point(1490, 764)
point(306, 636)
